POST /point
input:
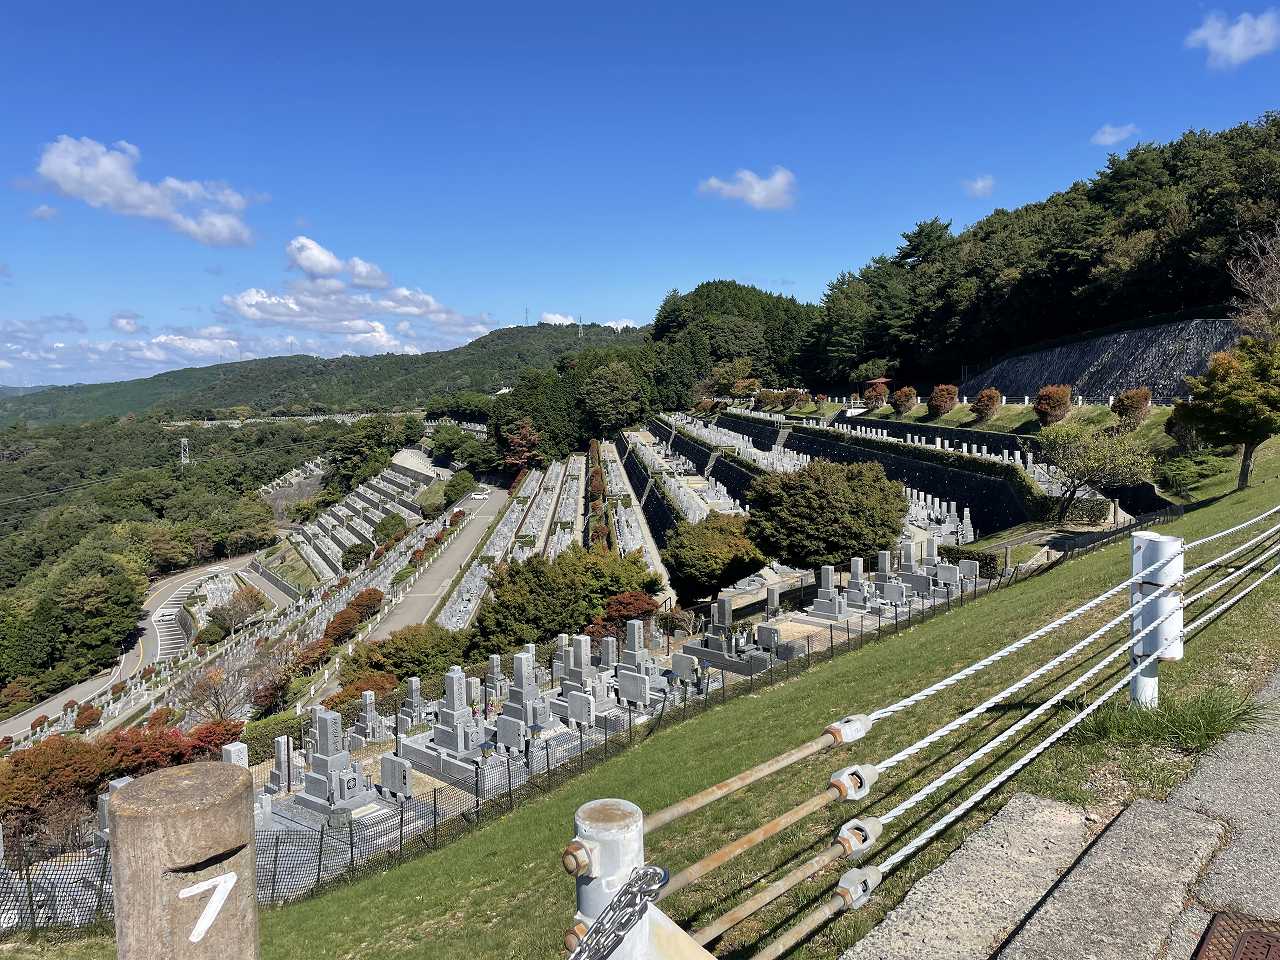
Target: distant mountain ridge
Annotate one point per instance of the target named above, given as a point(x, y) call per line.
point(306, 384)
point(6, 391)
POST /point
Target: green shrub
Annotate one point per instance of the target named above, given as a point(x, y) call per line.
point(260, 735)
point(460, 485)
point(988, 562)
point(210, 634)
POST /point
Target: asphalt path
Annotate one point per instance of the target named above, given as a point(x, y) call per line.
point(417, 604)
point(141, 655)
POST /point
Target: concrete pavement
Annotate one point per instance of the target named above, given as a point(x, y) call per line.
point(426, 593)
point(417, 604)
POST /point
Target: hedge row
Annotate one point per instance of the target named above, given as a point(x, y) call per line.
point(988, 562)
point(1026, 487)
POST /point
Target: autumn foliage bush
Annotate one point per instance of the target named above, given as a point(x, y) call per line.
point(366, 603)
point(943, 399)
point(985, 404)
point(87, 717)
point(378, 681)
point(875, 396)
point(1053, 403)
point(342, 627)
point(903, 400)
point(1132, 405)
point(70, 771)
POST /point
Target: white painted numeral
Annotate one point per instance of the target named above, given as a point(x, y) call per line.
point(221, 887)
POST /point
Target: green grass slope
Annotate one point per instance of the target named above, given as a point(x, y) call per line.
point(303, 384)
point(500, 892)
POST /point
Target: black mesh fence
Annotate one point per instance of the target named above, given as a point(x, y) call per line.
point(66, 888)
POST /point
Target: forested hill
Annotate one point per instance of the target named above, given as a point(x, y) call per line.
point(1151, 234)
point(304, 384)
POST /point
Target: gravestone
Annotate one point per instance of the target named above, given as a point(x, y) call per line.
point(830, 603)
point(237, 753)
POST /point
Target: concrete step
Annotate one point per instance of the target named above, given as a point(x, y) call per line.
point(965, 908)
point(1122, 900)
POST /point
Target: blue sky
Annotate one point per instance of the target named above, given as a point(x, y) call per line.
point(265, 178)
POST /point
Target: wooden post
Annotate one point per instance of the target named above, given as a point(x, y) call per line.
point(182, 857)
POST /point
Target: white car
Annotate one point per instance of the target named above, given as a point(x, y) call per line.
point(482, 495)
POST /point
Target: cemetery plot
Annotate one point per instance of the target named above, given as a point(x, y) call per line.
point(521, 532)
point(352, 520)
point(566, 528)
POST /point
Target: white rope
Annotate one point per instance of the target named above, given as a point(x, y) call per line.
point(1230, 530)
point(1044, 631)
point(1014, 647)
point(1039, 711)
point(1026, 681)
point(1232, 552)
point(1231, 576)
point(987, 789)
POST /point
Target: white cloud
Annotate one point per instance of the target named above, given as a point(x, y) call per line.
point(1231, 44)
point(311, 258)
point(620, 324)
point(376, 339)
point(5, 365)
point(346, 318)
point(557, 319)
point(44, 212)
point(366, 274)
point(126, 321)
point(980, 186)
point(104, 177)
point(775, 192)
point(1109, 134)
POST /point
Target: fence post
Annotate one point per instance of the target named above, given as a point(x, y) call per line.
point(275, 868)
point(182, 853)
point(1147, 549)
point(351, 841)
point(320, 855)
point(435, 817)
point(510, 800)
point(102, 880)
point(24, 867)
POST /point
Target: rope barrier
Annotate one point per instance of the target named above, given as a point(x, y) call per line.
point(1230, 530)
point(866, 880)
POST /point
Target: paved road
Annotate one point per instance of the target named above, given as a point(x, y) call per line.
point(426, 593)
point(422, 599)
point(137, 658)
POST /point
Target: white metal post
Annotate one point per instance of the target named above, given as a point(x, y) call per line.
point(1148, 549)
point(609, 845)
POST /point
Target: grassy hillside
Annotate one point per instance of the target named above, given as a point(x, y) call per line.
point(500, 892)
point(304, 384)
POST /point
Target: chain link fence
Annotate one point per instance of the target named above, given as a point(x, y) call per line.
point(61, 889)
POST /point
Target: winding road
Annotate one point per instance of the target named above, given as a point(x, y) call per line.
point(141, 655)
